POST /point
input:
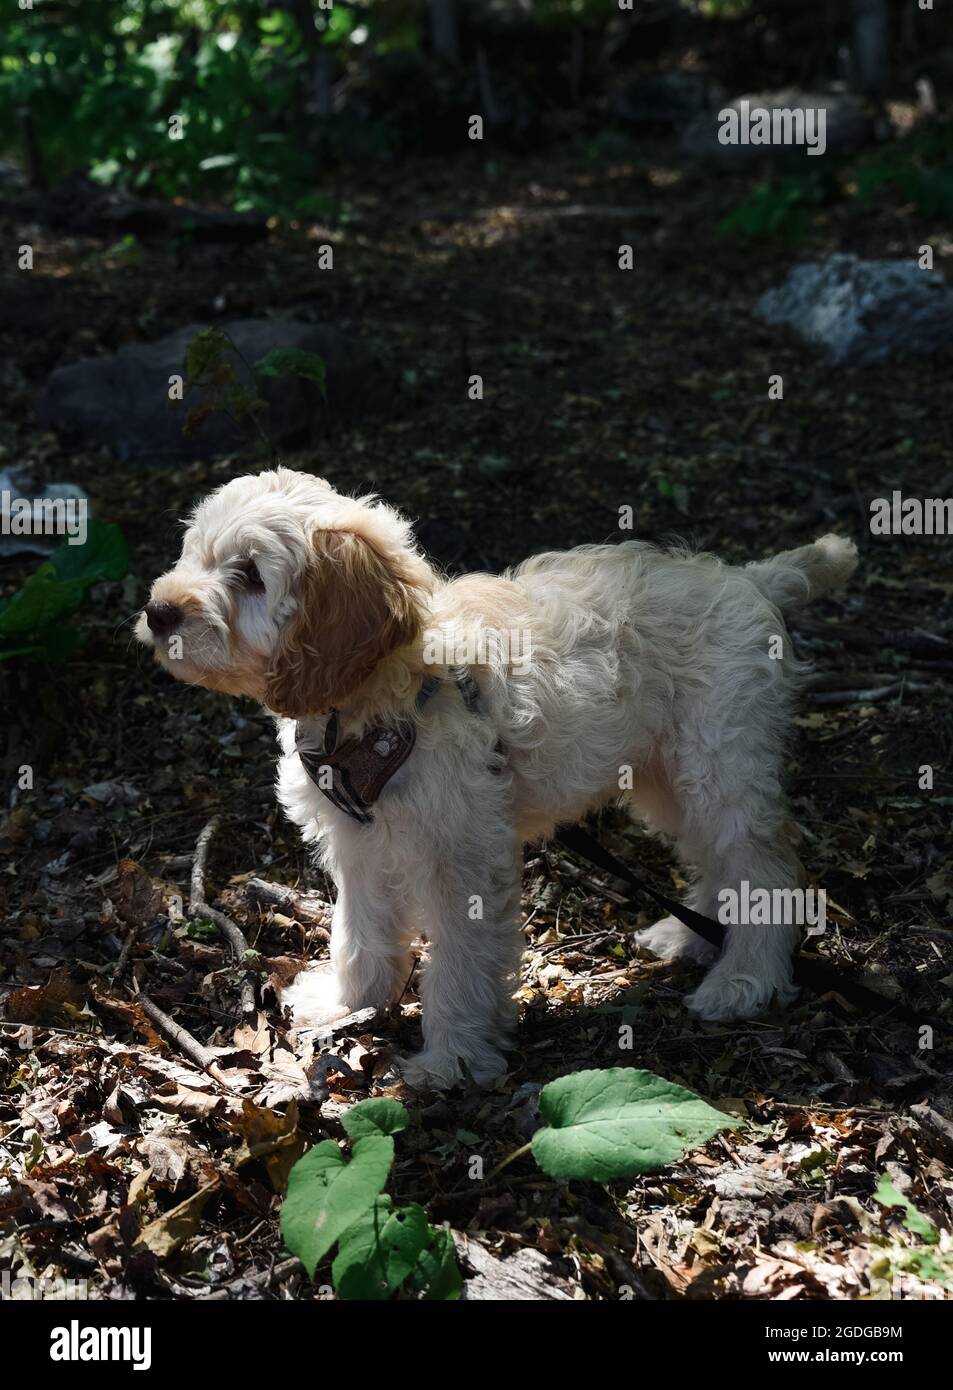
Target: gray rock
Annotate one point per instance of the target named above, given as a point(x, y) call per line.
point(847, 127)
point(122, 403)
point(864, 312)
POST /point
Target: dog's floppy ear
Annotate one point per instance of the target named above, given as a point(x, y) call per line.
point(355, 607)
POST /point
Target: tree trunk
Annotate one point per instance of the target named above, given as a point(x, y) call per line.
point(444, 32)
point(870, 21)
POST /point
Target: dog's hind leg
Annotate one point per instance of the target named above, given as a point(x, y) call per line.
point(653, 802)
point(734, 832)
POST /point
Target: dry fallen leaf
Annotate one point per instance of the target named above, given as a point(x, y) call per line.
point(164, 1235)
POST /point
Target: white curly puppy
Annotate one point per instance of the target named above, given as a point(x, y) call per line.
point(602, 667)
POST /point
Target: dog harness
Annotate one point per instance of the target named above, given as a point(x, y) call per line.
point(352, 774)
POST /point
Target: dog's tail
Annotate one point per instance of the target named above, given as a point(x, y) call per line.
point(797, 576)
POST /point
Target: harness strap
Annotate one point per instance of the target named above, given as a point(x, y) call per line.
point(809, 971)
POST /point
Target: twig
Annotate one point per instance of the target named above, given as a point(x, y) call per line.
point(199, 908)
point(190, 1047)
point(197, 887)
point(262, 894)
point(123, 960)
point(626, 1275)
point(917, 640)
point(867, 697)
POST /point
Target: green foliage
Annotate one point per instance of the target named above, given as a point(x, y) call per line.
point(726, 9)
point(599, 1125)
point(616, 1122)
point(377, 1116)
point(332, 1200)
point(35, 620)
point(918, 169)
point(777, 210)
point(210, 368)
point(294, 362)
point(327, 1194)
point(923, 1252)
point(102, 81)
point(888, 1196)
point(379, 1251)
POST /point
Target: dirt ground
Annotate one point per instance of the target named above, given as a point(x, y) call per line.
point(603, 389)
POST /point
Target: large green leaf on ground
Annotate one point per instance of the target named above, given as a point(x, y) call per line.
point(887, 1195)
point(618, 1122)
point(327, 1194)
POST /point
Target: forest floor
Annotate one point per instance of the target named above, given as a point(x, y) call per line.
point(603, 389)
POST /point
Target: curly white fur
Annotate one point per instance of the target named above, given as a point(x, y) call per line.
point(635, 659)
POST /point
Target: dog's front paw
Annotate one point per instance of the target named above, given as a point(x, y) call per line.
point(440, 1071)
point(670, 939)
point(314, 997)
point(722, 995)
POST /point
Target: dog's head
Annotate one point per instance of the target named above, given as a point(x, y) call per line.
point(288, 592)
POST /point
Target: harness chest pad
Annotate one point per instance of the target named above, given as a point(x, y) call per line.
point(358, 769)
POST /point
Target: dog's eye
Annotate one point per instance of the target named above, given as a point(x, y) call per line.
point(250, 578)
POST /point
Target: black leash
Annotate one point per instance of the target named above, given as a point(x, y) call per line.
point(809, 971)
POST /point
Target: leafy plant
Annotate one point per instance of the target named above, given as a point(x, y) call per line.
point(775, 210)
point(928, 187)
point(210, 368)
point(919, 169)
point(888, 1196)
point(599, 1125)
point(381, 1248)
point(930, 1259)
point(294, 362)
point(35, 620)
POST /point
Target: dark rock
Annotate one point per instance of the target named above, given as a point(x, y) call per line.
point(121, 402)
point(659, 99)
point(847, 126)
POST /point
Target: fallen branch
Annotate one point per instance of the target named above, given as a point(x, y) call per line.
point(606, 211)
point(199, 908)
point(305, 908)
point(190, 1047)
point(199, 860)
point(867, 697)
point(917, 640)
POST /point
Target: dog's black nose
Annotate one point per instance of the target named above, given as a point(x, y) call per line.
point(163, 617)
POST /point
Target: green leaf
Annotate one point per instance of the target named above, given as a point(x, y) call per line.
point(888, 1196)
point(103, 555)
point(617, 1122)
point(380, 1115)
point(39, 601)
point(56, 589)
point(437, 1271)
point(326, 1194)
point(379, 1250)
point(205, 351)
point(294, 362)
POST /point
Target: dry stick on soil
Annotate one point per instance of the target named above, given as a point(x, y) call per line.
point(303, 907)
point(867, 697)
point(199, 908)
point(190, 1047)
